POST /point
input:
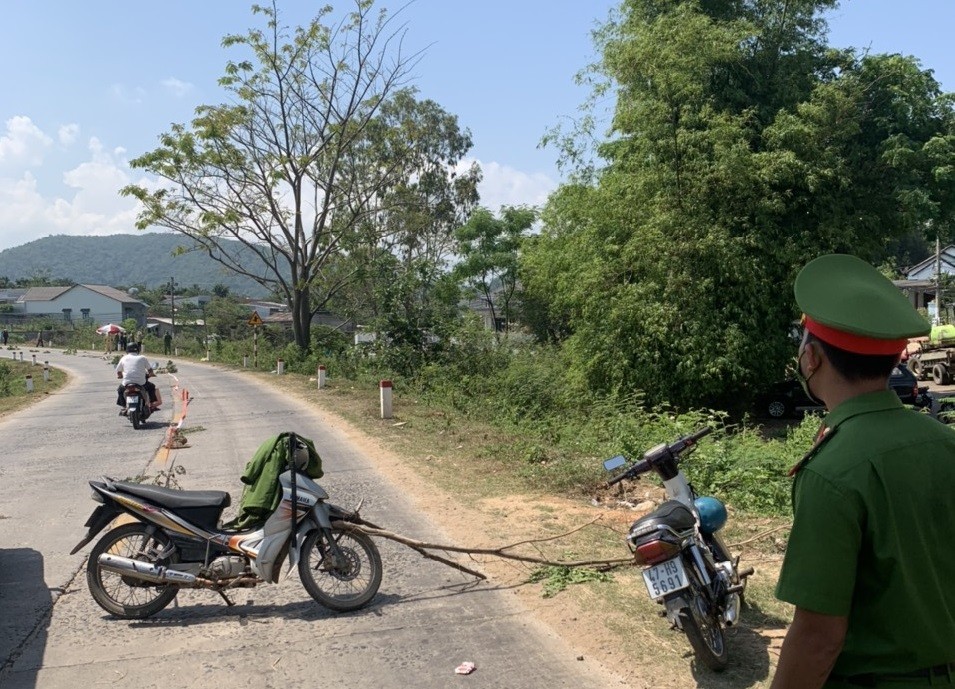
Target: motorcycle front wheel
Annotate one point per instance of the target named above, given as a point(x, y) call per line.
point(705, 634)
point(122, 595)
point(342, 583)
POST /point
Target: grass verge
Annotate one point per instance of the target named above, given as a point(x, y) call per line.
point(14, 394)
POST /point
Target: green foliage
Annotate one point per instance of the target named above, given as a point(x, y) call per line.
point(488, 248)
point(742, 147)
point(6, 376)
point(558, 578)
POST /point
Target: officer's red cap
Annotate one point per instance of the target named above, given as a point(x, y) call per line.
point(850, 305)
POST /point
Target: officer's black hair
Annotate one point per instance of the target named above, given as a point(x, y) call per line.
point(856, 367)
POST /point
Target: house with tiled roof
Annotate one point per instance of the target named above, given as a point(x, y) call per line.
point(98, 303)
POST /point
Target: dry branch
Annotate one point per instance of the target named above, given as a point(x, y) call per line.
point(423, 549)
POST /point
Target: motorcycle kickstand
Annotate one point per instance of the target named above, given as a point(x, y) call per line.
point(228, 601)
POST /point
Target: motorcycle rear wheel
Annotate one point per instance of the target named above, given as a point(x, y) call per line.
point(341, 586)
point(705, 634)
point(122, 596)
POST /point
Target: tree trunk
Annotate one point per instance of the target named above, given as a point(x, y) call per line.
point(301, 319)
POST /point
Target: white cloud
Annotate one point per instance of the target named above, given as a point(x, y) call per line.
point(91, 205)
point(23, 143)
point(505, 186)
point(128, 96)
point(67, 134)
point(176, 87)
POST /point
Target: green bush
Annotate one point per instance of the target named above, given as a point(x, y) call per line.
point(5, 374)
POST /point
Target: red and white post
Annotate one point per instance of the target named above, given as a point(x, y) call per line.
point(321, 377)
point(280, 367)
point(385, 389)
point(29, 383)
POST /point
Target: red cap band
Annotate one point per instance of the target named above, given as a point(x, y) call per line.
point(857, 344)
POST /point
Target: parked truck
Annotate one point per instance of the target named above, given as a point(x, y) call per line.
point(935, 357)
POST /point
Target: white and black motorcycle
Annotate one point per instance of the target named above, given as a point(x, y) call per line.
point(136, 569)
point(686, 565)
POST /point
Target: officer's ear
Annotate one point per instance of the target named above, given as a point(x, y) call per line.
point(813, 355)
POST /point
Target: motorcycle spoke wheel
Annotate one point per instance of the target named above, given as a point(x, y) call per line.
point(122, 595)
point(705, 634)
point(345, 583)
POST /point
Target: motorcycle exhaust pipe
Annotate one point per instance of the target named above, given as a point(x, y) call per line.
point(136, 569)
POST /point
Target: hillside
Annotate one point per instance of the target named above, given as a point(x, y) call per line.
point(124, 261)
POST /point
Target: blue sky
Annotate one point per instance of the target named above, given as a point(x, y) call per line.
point(84, 87)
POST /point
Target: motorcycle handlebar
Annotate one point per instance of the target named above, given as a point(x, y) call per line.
point(640, 467)
point(675, 448)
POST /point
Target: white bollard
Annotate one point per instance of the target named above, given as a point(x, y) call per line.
point(280, 367)
point(245, 362)
point(385, 388)
point(33, 356)
point(29, 383)
point(46, 372)
point(21, 356)
point(321, 377)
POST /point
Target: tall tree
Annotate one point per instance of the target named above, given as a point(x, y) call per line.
point(741, 146)
point(489, 249)
point(320, 141)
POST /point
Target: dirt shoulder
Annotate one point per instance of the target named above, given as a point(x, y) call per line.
point(611, 623)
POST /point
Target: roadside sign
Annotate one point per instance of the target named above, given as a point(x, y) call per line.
point(256, 320)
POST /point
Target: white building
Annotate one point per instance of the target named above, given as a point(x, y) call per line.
point(91, 303)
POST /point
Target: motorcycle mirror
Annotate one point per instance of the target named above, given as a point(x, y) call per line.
point(300, 456)
point(615, 463)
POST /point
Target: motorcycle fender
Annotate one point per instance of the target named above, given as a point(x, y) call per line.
point(97, 521)
point(304, 529)
point(674, 605)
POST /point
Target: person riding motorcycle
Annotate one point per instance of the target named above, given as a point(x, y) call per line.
point(134, 368)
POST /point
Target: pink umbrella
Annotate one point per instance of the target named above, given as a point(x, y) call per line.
point(110, 329)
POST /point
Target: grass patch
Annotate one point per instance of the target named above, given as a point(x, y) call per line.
point(13, 386)
point(556, 579)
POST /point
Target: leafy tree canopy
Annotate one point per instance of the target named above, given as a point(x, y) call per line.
point(741, 147)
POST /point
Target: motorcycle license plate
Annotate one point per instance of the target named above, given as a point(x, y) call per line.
point(665, 578)
point(133, 400)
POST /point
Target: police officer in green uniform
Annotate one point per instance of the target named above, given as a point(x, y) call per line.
point(870, 564)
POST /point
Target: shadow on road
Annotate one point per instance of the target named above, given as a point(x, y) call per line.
point(25, 608)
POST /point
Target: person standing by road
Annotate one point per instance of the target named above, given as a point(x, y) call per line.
point(870, 553)
point(167, 343)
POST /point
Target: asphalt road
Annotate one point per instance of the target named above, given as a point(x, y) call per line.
point(426, 619)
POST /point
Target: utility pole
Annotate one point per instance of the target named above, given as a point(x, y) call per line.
point(938, 281)
point(172, 298)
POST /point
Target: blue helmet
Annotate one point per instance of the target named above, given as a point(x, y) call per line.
point(712, 514)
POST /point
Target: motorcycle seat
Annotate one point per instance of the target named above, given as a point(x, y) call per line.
point(177, 499)
point(672, 513)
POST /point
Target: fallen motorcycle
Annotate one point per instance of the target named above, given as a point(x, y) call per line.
point(137, 569)
point(686, 565)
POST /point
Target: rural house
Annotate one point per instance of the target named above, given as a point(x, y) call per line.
point(79, 303)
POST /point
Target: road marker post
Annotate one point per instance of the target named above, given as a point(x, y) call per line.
point(385, 388)
point(29, 383)
point(321, 377)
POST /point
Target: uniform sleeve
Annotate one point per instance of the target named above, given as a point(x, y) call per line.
point(819, 570)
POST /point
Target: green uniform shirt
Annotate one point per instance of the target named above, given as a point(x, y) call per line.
point(873, 536)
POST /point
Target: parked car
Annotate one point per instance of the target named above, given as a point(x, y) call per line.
point(787, 398)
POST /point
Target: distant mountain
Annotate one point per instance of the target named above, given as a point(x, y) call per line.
point(124, 260)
